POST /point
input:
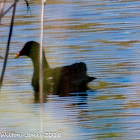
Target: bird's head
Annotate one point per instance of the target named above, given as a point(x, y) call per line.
point(27, 49)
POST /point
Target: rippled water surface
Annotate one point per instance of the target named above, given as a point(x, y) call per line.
point(105, 34)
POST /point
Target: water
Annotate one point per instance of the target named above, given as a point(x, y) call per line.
point(104, 34)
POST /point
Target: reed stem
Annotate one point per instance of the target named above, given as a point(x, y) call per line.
point(41, 68)
point(8, 43)
point(2, 8)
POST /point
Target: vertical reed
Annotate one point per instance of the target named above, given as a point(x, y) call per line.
point(8, 42)
point(41, 54)
point(2, 13)
point(2, 8)
point(41, 67)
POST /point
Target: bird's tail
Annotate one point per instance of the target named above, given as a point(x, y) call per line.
point(91, 78)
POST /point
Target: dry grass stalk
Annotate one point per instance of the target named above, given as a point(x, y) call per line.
point(8, 42)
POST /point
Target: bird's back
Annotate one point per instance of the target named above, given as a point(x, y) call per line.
point(71, 78)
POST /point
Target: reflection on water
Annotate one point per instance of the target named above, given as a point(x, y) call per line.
point(103, 34)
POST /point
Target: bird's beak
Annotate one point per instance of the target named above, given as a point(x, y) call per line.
point(16, 55)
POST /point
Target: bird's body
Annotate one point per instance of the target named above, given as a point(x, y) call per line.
point(60, 80)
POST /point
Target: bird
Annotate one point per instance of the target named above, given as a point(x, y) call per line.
point(60, 80)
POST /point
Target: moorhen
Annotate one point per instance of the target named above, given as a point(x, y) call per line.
point(61, 80)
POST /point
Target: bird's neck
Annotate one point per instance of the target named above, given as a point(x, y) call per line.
point(35, 60)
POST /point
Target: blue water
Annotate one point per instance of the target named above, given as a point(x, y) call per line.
point(105, 34)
